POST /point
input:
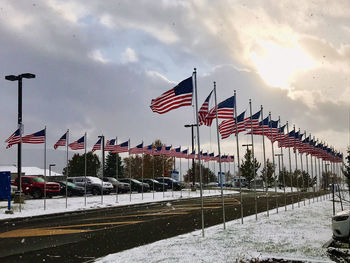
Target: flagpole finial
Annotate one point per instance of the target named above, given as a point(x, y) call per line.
point(250, 100)
point(195, 70)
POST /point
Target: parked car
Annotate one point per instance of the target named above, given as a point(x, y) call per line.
point(172, 183)
point(152, 182)
point(72, 190)
point(122, 187)
point(136, 185)
point(341, 226)
point(94, 185)
point(35, 186)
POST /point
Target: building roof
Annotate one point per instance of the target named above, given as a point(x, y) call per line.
point(28, 170)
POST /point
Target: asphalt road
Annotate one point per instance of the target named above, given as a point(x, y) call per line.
point(86, 235)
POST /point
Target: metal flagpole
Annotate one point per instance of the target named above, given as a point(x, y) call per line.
point(67, 170)
point(302, 171)
point(253, 161)
point(283, 171)
point(307, 168)
point(142, 173)
point(312, 174)
point(317, 182)
point(220, 168)
point(129, 168)
point(163, 171)
point(180, 175)
point(239, 172)
point(103, 164)
point(296, 166)
point(116, 171)
point(188, 172)
point(199, 150)
point(290, 169)
point(273, 160)
point(45, 171)
point(153, 172)
point(85, 144)
point(266, 182)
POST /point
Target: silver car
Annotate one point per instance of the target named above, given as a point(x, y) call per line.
point(341, 225)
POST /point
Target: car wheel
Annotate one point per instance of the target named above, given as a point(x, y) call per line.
point(36, 194)
point(95, 191)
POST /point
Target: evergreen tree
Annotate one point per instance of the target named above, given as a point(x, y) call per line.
point(110, 166)
point(247, 166)
point(76, 166)
point(268, 170)
point(207, 175)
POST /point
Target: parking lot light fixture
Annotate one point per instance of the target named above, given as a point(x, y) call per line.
point(19, 153)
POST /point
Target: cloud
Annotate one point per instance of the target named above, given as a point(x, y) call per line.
point(99, 64)
point(129, 56)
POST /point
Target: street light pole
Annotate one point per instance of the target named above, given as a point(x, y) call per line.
point(19, 153)
point(193, 173)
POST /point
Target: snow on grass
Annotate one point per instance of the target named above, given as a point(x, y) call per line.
point(58, 205)
point(292, 234)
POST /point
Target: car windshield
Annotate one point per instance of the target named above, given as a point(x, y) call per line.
point(136, 181)
point(111, 179)
point(38, 180)
point(95, 180)
point(71, 184)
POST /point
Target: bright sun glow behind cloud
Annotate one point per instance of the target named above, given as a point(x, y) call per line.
point(277, 64)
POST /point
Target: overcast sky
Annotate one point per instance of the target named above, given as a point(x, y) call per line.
point(98, 64)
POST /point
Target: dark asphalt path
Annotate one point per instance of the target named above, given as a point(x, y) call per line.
point(83, 236)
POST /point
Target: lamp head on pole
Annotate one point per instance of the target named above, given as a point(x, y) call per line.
point(11, 77)
point(27, 75)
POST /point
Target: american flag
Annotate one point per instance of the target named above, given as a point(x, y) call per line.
point(166, 150)
point(110, 145)
point(288, 141)
point(252, 122)
point(184, 154)
point(280, 136)
point(262, 129)
point(97, 145)
point(211, 157)
point(157, 151)
point(148, 149)
point(15, 138)
point(37, 137)
point(137, 149)
point(203, 112)
point(225, 110)
point(61, 142)
point(78, 145)
point(228, 127)
point(272, 131)
point(192, 155)
point(176, 152)
point(121, 148)
point(175, 98)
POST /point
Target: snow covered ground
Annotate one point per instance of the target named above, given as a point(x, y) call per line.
point(58, 205)
point(297, 234)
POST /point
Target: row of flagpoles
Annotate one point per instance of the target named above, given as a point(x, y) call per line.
point(255, 124)
point(182, 95)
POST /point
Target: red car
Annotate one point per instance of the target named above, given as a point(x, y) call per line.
point(35, 185)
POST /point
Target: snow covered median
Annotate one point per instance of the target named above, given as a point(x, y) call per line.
point(297, 234)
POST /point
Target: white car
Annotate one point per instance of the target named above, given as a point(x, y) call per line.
point(341, 225)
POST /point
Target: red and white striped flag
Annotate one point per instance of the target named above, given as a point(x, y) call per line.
point(175, 98)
